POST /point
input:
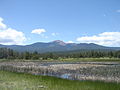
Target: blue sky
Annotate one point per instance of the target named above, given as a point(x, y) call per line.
point(79, 21)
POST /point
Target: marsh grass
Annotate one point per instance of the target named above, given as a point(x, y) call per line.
point(21, 81)
point(65, 60)
point(90, 59)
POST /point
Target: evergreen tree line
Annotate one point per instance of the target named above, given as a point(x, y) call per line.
point(6, 53)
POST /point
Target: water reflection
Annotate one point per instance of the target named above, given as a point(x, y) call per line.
point(66, 76)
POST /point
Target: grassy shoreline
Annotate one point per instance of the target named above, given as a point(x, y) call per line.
point(21, 81)
point(66, 60)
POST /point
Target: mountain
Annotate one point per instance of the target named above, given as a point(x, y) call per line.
point(56, 46)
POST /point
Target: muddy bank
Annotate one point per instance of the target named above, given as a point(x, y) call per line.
point(105, 71)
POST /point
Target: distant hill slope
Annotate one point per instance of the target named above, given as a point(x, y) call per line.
point(56, 46)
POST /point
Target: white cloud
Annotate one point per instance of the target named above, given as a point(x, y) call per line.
point(10, 36)
point(2, 25)
point(54, 34)
point(38, 31)
point(70, 42)
point(105, 38)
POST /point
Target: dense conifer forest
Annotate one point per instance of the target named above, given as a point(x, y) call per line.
point(6, 53)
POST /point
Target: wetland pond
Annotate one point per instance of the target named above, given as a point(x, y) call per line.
point(103, 71)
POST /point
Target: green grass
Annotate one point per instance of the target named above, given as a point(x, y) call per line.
point(91, 59)
point(20, 81)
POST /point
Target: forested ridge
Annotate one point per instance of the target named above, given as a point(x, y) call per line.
point(6, 53)
point(57, 46)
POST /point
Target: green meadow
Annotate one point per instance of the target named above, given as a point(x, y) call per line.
point(21, 81)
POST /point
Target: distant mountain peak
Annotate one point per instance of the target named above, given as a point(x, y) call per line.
point(56, 46)
point(59, 42)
